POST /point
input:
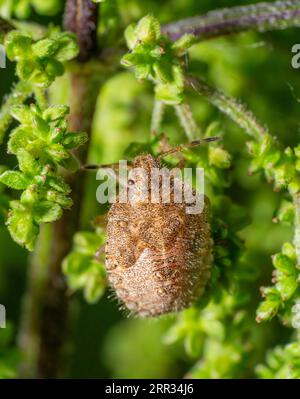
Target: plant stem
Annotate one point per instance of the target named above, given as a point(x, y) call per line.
point(29, 337)
point(18, 95)
point(229, 106)
point(81, 17)
point(260, 17)
point(54, 317)
point(187, 121)
point(296, 201)
point(157, 116)
point(41, 98)
point(47, 321)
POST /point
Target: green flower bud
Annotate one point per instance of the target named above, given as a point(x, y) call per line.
point(219, 157)
point(284, 174)
point(57, 152)
point(294, 186)
point(30, 196)
point(18, 45)
point(44, 48)
point(288, 250)
point(163, 72)
point(169, 94)
point(22, 114)
point(286, 286)
point(283, 263)
point(14, 179)
point(53, 69)
point(270, 306)
point(148, 29)
point(22, 226)
point(183, 44)
point(59, 198)
point(269, 161)
point(67, 46)
point(46, 212)
point(286, 212)
point(56, 112)
point(130, 36)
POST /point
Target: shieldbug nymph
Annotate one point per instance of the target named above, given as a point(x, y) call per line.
point(158, 256)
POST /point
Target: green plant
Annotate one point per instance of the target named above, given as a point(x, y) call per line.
point(76, 101)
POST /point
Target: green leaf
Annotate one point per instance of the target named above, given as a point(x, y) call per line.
point(269, 307)
point(163, 71)
point(45, 48)
point(71, 163)
point(183, 44)
point(61, 199)
point(57, 183)
point(73, 140)
point(286, 212)
point(30, 196)
point(46, 212)
point(87, 242)
point(17, 45)
point(148, 29)
point(56, 112)
point(283, 263)
point(22, 227)
point(76, 263)
point(19, 139)
point(57, 152)
point(41, 127)
point(27, 163)
point(22, 114)
point(67, 47)
point(219, 157)
point(95, 283)
point(30, 70)
point(169, 94)
point(286, 286)
point(130, 36)
point(289, 250)
point(14, 179)
point(53, 69)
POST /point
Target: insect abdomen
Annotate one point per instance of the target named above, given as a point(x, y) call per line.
point(164, 278)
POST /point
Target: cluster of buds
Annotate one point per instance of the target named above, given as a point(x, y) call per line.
point(153, 56)
point(280, 167)
point(81, 268)
point(41, 143)
point(40, 62)
point(285, 288)
point(277, 361)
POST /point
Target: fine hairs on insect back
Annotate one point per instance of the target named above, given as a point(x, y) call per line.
point(144, 278)
point(158, 257)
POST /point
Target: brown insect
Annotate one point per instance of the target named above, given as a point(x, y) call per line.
point(158, 256)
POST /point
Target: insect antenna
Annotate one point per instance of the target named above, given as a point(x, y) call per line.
point(91, 167)
point(192, 144)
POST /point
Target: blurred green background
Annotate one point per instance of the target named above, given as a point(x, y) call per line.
point(255, 68)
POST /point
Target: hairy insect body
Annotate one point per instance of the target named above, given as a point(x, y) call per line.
point(158, 257)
